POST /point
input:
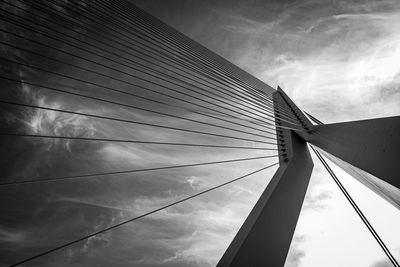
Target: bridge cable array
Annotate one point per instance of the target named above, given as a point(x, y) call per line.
point(81, 176)
point(115, 48)
point(65, 50)
point(138, 217)
point(53, 48)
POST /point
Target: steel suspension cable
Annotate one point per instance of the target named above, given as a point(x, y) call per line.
point(36, 180)
point(134, 141)
point(132, 122)
point(19, 7)
point(104, 139)
point(86, 69)
point(118, 29)
point(357, 209)
point(147, 81)
point(256, 91)
point(137, 217)
point(142, 87)
point(108, 19)
point(137, 17)
point(129, 93)
point(182, 42)
point(228, 68)
point(132, 107)
point(152, 62)
point(72, 78)
point(172, 33)
point(32, 66)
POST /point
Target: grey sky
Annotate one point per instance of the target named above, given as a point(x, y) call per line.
point(338, 60)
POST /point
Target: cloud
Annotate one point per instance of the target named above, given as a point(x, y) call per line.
point(338, 60)
point(321, 53)
point(90, 245)
point(123, 155)
point(315, 201)
point(98, 203)
point(13, 235)
point(46, 122)
point(183, 234)
point(196, 183)
point(296, 252)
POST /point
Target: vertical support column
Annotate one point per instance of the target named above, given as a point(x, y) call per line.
point(265, 237)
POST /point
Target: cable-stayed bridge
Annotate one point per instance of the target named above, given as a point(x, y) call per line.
point(110, 63)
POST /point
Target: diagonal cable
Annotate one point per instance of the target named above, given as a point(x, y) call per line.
point(136, 218)
point(132, 107)
point(132, 122)
point(180, 92)
point(95, 175)
point(113, 39)
point(134, 62)
point(357, 209)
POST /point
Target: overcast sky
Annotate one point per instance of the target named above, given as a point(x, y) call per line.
point(338, 60)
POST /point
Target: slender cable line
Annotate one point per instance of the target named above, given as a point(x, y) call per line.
point(130, 47)
point(67, 52)
point(171, 32)
point(132, 94)
point(131, 121)
point(257, 92)
point(357, 209)
point(155, 83)
point(95, 175)
point(137, 217)
point(132, 107)
point(180, 42)
point(253, 122)
point(157, 42)
point(111, 140)
point(134, 84)
point(135, 141)
point(264, 124)
point(107, 26)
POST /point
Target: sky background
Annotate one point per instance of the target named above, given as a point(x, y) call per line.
point(339, 61)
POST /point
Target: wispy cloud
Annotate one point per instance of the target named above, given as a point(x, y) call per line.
point(341, 56)
point(296, 252)
point(13, 235)
point(336, 59)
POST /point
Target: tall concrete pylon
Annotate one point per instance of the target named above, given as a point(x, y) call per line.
point(371, 146)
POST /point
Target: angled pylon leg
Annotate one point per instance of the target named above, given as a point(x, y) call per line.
point(264, 238)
